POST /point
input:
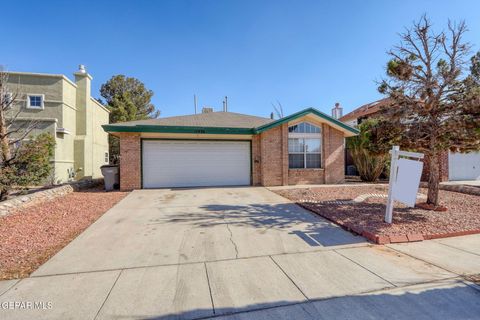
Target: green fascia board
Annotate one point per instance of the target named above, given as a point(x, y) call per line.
point(300, 114)
point(177, 129)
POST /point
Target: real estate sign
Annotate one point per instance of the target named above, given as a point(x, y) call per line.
point(406, 185)
point(404, 179)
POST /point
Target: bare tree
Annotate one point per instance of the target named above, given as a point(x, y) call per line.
point(13, 128)
point(433, 107)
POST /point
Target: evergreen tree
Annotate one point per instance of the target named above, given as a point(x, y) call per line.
point(434, 105)
point(127, 99)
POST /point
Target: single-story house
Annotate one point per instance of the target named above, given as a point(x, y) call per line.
point(227, 149)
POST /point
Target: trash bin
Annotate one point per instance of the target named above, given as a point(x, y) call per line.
point(352, 170)
point(111, 177)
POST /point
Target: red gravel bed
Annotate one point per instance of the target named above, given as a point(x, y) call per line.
point(409, 224)
point(29, 237)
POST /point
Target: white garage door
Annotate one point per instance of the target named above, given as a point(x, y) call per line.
point(175, 163)
point(464, 166)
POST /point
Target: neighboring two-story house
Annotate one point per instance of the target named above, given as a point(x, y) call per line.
point(453, 166)
point(66, 110)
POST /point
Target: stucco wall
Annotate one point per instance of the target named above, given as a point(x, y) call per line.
point(92, 140)
point(49, 118)
point(69, 106)
point(64, 149)
point(50, 86)
point(99, 137)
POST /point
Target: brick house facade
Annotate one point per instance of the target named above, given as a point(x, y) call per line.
point(269, 145)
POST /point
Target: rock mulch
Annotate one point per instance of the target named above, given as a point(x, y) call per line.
point(409, 224)
point(41, 194)
point(30, 236)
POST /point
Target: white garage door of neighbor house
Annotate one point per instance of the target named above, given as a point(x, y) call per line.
point(464, 166)
point(177, 163)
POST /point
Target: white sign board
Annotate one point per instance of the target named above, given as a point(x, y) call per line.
point(405, 188)
point(404, 179)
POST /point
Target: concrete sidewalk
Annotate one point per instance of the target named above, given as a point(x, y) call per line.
point(242, 253)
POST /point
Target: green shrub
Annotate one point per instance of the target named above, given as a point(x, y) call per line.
point(369, 163)
point(31, 166)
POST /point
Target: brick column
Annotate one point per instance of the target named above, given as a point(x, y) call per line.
point(285, 154)
point(272, 163)
point(333, 155)
point(256, 161)
point(130, 166)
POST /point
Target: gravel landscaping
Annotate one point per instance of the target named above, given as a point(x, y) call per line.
point(409, 224)
point(30, 236)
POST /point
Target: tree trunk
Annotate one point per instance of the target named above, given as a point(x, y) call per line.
point(5, 154)
point(433, 179)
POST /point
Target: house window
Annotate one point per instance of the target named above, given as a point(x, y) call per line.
point(35, 101)
point(304, 146)
point(107, 160)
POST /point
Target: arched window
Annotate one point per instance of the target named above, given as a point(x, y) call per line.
point(304, 146)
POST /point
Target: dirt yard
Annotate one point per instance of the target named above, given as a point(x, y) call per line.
point(463, 212)
point(30, 236)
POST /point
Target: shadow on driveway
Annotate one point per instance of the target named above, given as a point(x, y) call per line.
point(312, 229)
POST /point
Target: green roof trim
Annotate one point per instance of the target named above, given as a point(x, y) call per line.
point(176, 129)
point(302, 113)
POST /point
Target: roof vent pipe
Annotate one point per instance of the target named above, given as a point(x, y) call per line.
point(195, 102)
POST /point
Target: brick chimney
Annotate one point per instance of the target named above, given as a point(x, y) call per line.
point(337, 111)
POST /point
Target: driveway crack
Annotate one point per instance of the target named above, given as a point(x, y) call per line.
point(231, 240)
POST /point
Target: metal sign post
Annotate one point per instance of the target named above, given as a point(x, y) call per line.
point(393, 177)
point(404, 189)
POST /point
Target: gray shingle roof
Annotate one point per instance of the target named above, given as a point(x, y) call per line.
point(212, 119)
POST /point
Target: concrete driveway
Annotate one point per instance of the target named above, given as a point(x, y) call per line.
point(242, 253)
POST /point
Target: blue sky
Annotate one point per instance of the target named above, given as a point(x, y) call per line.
point(301, 53)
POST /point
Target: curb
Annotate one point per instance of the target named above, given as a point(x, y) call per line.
point(386, 239)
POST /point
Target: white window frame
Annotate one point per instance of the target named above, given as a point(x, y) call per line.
point(42, 106)
point(299, 135)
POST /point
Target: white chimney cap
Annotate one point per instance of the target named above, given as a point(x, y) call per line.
point(81, 69)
